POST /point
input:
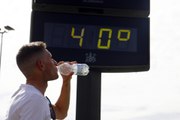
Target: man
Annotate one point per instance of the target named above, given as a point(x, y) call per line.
point(28, 102)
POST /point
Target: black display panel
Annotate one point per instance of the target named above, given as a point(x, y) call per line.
point(120, 4)
point(124, 8)
point(105, 43)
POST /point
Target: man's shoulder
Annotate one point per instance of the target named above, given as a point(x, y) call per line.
point(27, 94)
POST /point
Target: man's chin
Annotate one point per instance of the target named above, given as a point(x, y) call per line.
point(55, 78)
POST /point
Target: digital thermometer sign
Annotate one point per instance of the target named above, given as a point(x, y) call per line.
point(92, 37)
point(105, 43)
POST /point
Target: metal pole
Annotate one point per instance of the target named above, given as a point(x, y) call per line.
point(88, 105)
point(8, 28)
point(1, 47)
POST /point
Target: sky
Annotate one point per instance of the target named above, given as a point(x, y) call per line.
point(152, 95)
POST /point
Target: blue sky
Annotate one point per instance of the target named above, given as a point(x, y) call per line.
point(152, 95)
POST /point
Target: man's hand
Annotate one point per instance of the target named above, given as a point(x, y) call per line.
point(67, 77)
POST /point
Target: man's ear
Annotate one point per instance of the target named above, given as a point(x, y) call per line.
point(40, 65)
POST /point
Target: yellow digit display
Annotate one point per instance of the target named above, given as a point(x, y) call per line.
point(120, 38)
point(80, 37)
point(101, 31)
point(104, 37)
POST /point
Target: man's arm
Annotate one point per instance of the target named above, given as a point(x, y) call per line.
point(62, 105)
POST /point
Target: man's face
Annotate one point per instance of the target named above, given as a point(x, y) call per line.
point(50, 72)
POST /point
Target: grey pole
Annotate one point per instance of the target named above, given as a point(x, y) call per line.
point(8, 28)
point(2, 33)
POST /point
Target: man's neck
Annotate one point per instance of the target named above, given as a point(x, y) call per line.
point(38, 84)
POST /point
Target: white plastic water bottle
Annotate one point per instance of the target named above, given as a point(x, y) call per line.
point(78, 69)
